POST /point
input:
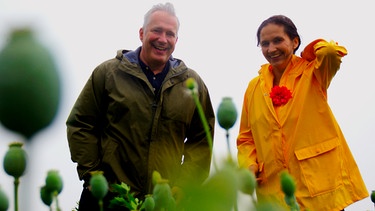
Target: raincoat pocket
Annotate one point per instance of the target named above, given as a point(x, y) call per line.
point(321, 167)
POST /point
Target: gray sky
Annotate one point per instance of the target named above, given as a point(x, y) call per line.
point(217, 39)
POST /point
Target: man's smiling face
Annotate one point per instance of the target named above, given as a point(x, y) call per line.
point(158, 38)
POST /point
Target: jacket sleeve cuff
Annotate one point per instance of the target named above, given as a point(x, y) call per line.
point(308, 52)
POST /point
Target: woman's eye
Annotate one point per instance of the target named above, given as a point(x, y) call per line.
point(277, 40)
point(264, 44)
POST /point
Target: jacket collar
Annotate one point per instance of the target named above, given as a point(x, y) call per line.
point(129, 62)
point(133, 57)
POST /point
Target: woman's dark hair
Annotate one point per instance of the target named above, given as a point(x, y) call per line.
point(289, 27)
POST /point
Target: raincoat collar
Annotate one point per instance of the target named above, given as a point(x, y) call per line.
point(266, 82)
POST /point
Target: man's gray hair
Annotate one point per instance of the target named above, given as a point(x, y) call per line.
point(167, 7)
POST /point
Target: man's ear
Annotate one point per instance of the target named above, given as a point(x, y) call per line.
point(141, 34)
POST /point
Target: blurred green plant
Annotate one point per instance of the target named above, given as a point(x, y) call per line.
point(99, 187)
point(288, 186)
point(29, 84)
point(372, 197)
point(4, 201)
point(29, 94)
point(149, 203)
point(52, 188)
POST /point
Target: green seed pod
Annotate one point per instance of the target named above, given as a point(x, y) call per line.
point(156, 177)
point(227, 113)
point(15, 160)
point(288, 185)
point(219, 192)
point(149, 203)
point(29, 84)
point(4, 201)
point(54, 181)
point(172, 206)
point(372, 196)
point(191, 84)
point(224, 181)
point(162, 194)
point(98, 184)
point(46, 196)
point(247, 181)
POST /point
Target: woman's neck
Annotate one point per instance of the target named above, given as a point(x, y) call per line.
point(277, 74)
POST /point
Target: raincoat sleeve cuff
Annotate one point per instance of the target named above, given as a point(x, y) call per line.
point(340, 50)
point(309, 52)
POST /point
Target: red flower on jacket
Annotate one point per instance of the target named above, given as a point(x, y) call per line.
point(280, 95)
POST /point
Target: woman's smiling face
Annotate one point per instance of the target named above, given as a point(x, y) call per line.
point(276, 46)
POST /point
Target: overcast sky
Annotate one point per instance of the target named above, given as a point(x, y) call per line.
point(218, 40)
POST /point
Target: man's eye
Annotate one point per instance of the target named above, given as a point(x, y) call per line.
point(171, 34)
point(157, 31)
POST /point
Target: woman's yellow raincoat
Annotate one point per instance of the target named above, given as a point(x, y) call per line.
point(302, 136)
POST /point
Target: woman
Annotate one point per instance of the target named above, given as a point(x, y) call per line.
point(287, 124)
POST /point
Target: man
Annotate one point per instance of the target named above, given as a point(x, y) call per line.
point(135, 115)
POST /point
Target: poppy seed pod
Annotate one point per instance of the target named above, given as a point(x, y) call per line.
point(191, 84)
point(149, 203)
point(4, 201)
point(372, 196)
point(98, 184)
point(46, 196)
point(29, 84)
point(156, 177)
point(288, 185)
point(220, 190)
point(162, 194)
point(247, 181)
point(54, 181)
point(227, 113)
point(15, 160)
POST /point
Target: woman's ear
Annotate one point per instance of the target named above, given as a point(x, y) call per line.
point(295, 43)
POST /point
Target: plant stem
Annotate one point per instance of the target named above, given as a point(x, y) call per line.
point(55, 194)
point(205, 126)
point(228, 144)
point(16, 184)
point(236, 203)
point(101, 204)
